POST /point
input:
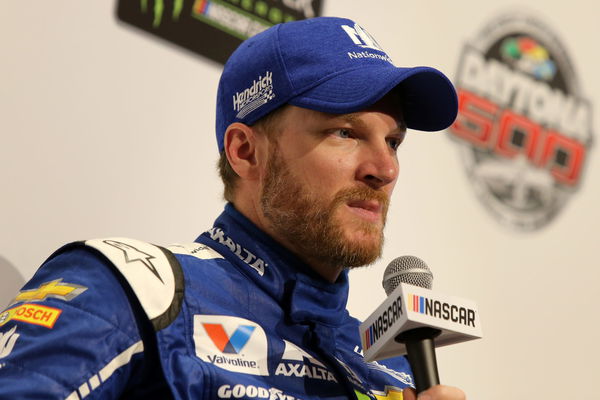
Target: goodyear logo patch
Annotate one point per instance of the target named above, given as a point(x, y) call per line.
point(32, 314)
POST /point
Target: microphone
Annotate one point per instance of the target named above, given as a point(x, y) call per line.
point(419, 341)
point(413, 320)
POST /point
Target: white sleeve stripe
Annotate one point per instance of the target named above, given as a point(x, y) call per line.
point(84, 390)
point(94, 382)
point(73, 396)
point(120, 360)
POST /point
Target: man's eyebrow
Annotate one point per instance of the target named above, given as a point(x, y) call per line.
point(354, 119)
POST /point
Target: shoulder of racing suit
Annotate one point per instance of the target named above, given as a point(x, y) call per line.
point(152, 272)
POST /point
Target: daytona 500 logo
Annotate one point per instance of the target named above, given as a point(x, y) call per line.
point(523, 126)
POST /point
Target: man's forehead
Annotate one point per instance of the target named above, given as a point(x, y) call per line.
point(357, 118)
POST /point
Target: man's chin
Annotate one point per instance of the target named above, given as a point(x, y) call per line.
point(357, 229)
point(364, 242)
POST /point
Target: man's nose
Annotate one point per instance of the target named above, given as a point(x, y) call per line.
point(378, 166)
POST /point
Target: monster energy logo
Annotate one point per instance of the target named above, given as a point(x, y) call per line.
point(159, 8)
point(212, 28)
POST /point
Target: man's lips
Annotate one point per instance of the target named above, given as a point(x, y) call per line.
point(368, 209)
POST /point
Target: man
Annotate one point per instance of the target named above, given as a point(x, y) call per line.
point(309, 118)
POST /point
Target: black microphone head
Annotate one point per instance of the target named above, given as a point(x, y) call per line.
point(406, 269)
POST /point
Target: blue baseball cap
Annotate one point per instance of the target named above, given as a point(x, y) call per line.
point(326, 64)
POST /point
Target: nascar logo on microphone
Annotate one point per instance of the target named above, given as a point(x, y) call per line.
point(443, 310)
point(385, 320)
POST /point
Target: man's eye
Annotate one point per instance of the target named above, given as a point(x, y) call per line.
point(343, 133)
point(394, 143)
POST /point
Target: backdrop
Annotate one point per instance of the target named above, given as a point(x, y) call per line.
point(108, 132)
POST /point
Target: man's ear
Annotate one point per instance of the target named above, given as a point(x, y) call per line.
point(243, 149)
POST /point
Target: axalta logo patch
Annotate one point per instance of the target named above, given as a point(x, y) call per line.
point(298, 363)
point(32, 314)
point(232, 343)
point(523, 126)
point(243, 254)
point(55, 289)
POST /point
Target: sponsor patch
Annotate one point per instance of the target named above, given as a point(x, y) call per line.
point(298, 363)
point(133, 254)
point(231, 343)
point(7, 342)
point(390, 393)
point(240, 391)
point(200, 251)
point(56, 289)
point(259, 93)
point(32, 314)
point(243, 254)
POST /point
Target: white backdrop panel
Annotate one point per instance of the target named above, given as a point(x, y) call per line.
point(106, 132)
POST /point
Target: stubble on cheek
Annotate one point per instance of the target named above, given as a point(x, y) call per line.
point(313, 226)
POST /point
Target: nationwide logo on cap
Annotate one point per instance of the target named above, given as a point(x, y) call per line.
point(232, 343)
point(523, 126)
point(362, 38)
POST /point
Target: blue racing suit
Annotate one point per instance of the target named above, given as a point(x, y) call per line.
point(233, 315)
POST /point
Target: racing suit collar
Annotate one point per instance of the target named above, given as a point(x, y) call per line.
point(303, 294)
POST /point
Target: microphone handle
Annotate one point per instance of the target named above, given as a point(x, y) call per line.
point(421, 356)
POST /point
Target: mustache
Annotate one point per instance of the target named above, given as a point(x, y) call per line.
point(363, 193)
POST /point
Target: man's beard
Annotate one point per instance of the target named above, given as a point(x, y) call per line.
point(308, 223)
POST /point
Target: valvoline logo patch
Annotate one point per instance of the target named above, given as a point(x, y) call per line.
point(225, 343)
point(232, 343)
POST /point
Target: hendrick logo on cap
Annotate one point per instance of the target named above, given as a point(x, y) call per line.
point(257, 94)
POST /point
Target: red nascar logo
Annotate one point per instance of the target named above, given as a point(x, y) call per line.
point(523, 126)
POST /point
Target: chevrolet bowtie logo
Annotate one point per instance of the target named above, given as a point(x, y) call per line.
point(57, 289)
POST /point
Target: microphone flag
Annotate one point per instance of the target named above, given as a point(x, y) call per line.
point(409, 307)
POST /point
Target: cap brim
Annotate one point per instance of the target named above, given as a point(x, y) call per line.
point(429, 98)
